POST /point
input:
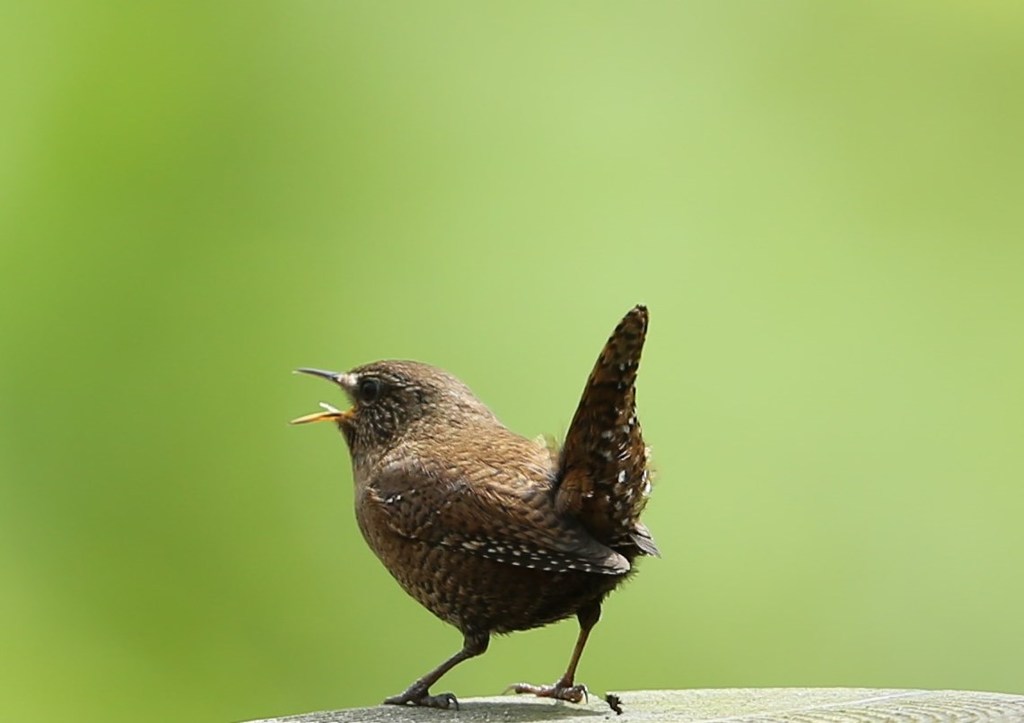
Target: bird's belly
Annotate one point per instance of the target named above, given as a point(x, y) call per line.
point(476, 594)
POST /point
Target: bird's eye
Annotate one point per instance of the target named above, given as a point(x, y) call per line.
point(369, 389)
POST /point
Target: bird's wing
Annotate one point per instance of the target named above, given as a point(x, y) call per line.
point(603, 478)
point(510, 523)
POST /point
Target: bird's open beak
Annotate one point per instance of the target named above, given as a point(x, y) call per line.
point(329, 412)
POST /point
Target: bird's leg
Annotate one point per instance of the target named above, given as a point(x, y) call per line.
point(418, 693)
point(565, 688)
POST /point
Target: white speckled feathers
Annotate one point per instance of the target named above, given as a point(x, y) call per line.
point(506, 515)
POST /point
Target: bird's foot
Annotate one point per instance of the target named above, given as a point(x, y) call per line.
point(422, 697)
point(559, 691)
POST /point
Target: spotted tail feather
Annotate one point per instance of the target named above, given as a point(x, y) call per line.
point(603, 475)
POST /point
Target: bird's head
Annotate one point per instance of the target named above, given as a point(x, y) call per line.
point(396, 401)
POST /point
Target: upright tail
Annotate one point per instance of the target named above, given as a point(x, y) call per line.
point(603, 476)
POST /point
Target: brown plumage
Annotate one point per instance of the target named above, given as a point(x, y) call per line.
point(489, 530)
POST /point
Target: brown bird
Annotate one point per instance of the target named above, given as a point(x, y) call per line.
point(490, 531)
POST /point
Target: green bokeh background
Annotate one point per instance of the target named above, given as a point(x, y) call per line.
point(822, 204)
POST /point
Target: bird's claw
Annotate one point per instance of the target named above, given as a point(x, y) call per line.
point(423, 699)
point(558, 691)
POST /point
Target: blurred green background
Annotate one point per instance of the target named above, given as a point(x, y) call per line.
point(822, 204)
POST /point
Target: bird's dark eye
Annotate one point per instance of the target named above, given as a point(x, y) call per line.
point(369, 389)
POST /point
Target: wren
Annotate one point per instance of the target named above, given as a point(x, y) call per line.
point(490, 531)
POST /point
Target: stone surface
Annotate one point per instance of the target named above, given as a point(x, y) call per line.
point(835, 705)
